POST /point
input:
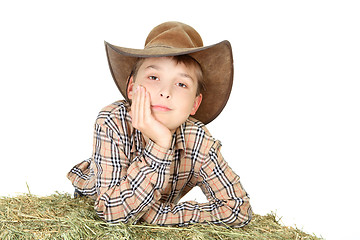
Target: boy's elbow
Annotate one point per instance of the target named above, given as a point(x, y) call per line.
point(110, 210)
point(243, 218)
point(242, 214)
point(115, 211)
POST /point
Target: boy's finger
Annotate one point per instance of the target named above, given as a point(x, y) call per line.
point(135, 109)
point(147, 104)
point(141, 104)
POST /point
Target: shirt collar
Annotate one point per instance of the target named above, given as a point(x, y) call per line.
point(180, 137)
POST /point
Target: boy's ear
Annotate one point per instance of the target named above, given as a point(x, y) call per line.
point(196, 105)
point(130, 86)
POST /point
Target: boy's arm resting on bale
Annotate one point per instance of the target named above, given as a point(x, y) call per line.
point(127, 187)
point(228, 201)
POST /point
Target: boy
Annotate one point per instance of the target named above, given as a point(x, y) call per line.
point(148, 151)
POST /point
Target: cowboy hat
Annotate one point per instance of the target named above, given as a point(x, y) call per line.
point(172, 39)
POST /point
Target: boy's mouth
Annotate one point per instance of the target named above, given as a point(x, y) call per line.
point(161, 108)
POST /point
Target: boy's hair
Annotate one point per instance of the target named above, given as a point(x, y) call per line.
point(187, 60)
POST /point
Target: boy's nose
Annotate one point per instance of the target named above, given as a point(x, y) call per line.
point(165, 90)
point(164, 95)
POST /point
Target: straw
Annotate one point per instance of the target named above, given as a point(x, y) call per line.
point(59, 216)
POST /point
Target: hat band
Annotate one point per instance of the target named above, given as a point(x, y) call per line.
point(158, 46)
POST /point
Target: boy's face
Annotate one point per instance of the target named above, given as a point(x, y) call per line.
point(172, 88)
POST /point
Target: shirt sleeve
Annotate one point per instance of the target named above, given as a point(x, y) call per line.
point(126, 188)
point(228, 203)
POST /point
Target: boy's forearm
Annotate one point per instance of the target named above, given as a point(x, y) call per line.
point(229, 202)
point(125, 191)
point(233, 212)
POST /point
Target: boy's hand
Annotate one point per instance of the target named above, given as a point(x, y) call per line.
point(145, 122)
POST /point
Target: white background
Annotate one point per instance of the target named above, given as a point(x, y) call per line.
point(291, 127)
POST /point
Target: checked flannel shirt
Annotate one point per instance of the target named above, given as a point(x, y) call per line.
point(134, 181)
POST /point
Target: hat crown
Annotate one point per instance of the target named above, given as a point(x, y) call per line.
point(174, 35)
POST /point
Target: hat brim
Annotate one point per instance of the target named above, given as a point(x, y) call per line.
point(216, 62)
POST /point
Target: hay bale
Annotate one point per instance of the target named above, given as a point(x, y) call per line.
point(60, 216)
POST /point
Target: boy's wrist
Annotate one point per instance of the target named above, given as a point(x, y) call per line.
point(164, 142)
point(158, 153)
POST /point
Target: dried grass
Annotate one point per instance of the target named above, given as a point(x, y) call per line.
point(60, 216)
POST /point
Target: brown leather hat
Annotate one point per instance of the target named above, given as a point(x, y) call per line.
point(175, 38)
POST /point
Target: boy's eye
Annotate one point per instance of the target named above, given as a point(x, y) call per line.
point(181, 85)
point(153, 78)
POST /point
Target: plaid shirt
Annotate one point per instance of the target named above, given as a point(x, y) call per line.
point(131, 180)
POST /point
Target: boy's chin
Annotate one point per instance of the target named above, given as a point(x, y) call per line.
point(171, 125)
